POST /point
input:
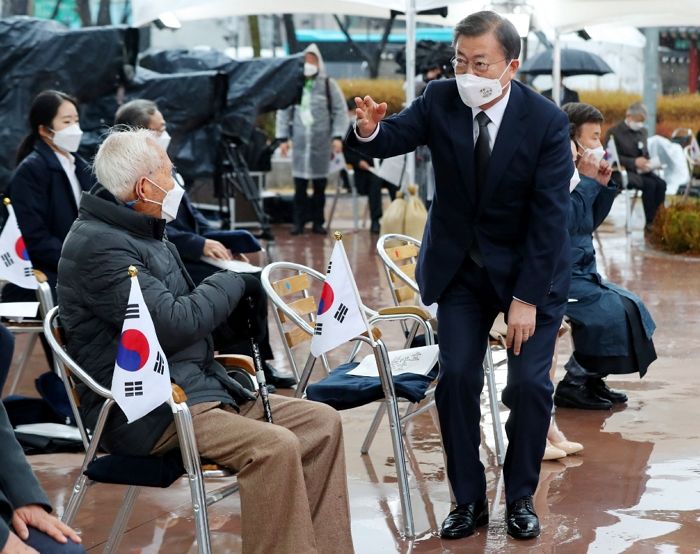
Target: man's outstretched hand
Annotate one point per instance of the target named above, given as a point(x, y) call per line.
point(369, 114)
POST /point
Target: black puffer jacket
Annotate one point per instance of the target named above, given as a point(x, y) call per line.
point(93, 289)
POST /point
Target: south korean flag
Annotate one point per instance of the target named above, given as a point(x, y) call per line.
point(141, 379)
point(15, 265)
point(340, 315)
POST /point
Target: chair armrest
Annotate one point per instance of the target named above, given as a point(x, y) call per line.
point(237, 360)
point(179, 395)
point(405, 310)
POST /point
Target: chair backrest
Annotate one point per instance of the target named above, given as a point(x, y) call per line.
point(71, 372)
point(399, 255)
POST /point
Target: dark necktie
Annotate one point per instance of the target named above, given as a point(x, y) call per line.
point(482, 150)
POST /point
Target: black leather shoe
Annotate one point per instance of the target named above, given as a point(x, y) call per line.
point(296, 230)
point(464, 520)
point(375, 228)
point(521, 519)
point(276, 380)
point(600, 388)
point(579, 396)
point(318, 230)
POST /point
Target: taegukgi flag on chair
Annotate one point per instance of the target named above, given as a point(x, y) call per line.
point(141, 379)
point(340, 315)
point(15, 265)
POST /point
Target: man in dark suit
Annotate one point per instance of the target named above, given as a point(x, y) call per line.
point(496, 240)
point(631, 141)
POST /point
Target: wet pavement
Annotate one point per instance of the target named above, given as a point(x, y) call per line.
point(635, 488)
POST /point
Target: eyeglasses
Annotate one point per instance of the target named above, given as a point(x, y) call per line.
point(460, 65)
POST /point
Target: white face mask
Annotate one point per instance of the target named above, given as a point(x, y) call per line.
point(68, 139)
point(310, 69)
point(598, 153)
point(163, 139)
point(171, 201)
point(476, 91)
point(635, 125)
point(575, 180)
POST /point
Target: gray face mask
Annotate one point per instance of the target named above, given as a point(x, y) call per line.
point(635, 125)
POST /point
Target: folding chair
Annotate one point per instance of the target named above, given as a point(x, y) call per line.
point(139, 471)
point(294, 304)
point(30, 326)
point(399, 255)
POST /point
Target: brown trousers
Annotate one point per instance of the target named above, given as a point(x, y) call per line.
point(291, 474)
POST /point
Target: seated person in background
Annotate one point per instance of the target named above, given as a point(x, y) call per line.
point(366, 182)
point(26, 527)
point(611, 328)
point(631, 141)
point(291, 474)
point(187, 231)
point(45, 188)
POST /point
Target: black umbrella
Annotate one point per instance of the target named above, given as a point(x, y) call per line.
point(573, 62)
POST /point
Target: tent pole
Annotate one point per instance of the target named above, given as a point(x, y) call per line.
point(556, 70)
point(651, 76)
point(411, 76)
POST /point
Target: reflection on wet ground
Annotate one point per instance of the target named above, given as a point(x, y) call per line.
point(635, 488)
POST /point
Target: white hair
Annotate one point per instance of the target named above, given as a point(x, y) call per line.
point(125, 156)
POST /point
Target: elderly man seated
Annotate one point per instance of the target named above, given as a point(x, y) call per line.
point(291, 473)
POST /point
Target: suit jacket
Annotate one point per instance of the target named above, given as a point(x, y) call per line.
point(18, 485)
point(45, 206)
point(518, 220)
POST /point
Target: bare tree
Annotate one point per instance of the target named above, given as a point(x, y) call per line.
point(290, 32)
point(83, 7)
point(104, 17)
point(254, 28)
point(373, 56)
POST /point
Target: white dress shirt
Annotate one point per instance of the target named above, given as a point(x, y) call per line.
point(495, 114)
point(68, 164)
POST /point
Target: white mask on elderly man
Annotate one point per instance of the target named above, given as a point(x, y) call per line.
point(171, 201)
point(476, 91)
point(68, 139)
point(163, 138)
point(575, 180)
point(635, 125)
point(310, 69)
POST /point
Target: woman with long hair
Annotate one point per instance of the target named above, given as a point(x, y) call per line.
point(45, 188)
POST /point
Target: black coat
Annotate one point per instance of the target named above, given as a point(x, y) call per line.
point(45, 206)
point(93, 290)
point(18, 485)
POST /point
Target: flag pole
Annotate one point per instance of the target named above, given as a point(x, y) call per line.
point(133, 272)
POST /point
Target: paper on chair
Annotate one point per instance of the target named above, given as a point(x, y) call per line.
point(19, 309)
point(52, 430)
point(238, 266)
point(411, 360)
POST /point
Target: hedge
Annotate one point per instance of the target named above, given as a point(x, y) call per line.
point(676, 228)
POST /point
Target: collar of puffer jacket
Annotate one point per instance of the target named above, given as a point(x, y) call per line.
point(100, 204)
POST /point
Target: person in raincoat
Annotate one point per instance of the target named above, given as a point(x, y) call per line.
point(611, 328)
point(316, 126)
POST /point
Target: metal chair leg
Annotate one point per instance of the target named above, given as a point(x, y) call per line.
point(495, 408)
point(371, 433)
point(117, 532)
point(76, 499)
point(392, 407)
point(305, 376)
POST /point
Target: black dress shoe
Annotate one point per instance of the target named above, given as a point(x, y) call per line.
point(600, 388)
point(464, 520)
point(296, 230)
point(568, 395)
point(276, 380)
point(521, 519)
point(318, 230)
point(375, 228)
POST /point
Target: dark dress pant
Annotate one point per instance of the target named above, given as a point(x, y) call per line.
point(466, 312)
